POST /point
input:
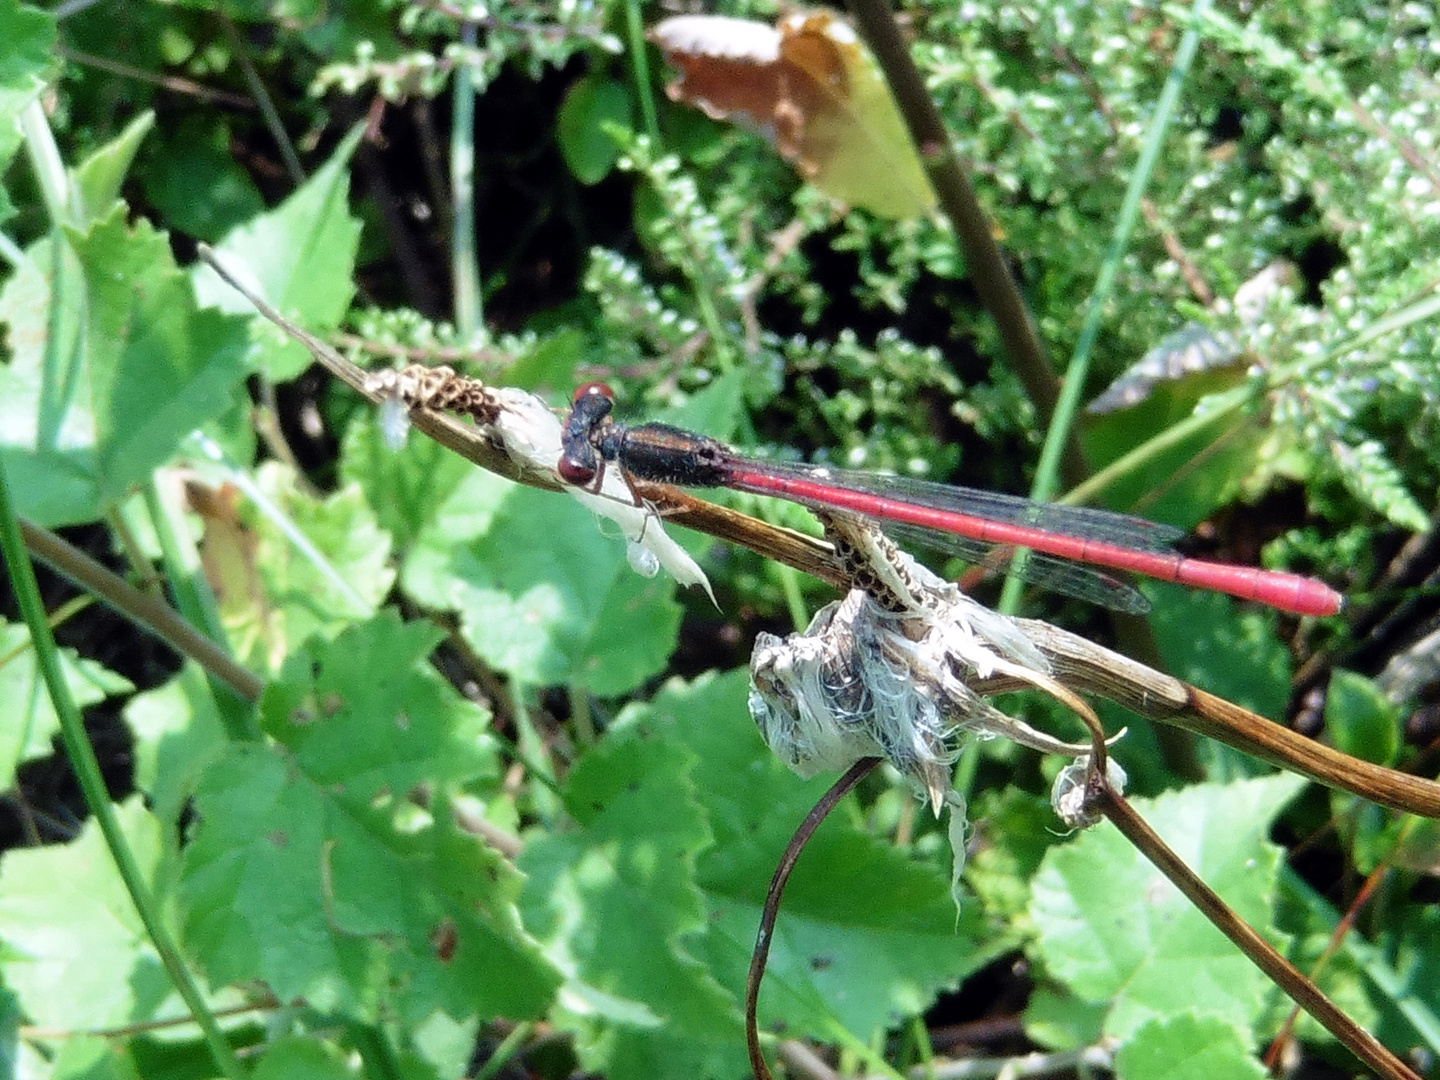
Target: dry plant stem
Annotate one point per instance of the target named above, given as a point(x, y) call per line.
point(1085, 666)
point(957, 198)
point(818, 813)
point(173, 83)
point(144, 610)
point(1277, 1046)
point(1361, 1043)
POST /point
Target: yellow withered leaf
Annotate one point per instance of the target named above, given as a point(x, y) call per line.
point(812, 88)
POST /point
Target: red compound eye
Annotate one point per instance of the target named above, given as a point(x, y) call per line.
point(575, 472)
point(593, 389)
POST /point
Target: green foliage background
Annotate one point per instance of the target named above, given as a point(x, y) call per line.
point(317, 854)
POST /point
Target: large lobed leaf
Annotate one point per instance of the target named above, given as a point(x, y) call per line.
point(1113, 929)
point(299, 872)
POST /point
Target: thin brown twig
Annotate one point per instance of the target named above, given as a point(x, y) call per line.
point(1156, 696)
point(1337, 936)
point(1080, 664)
point(143, 610)
point(174, 83)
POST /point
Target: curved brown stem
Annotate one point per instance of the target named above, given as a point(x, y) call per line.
point(807, 828)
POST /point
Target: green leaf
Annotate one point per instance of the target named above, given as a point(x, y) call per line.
point(1015, 829)
point(1360, 719)
point(543, 593)
point(300, 257)
point(311, 871)
point(27, 38)
point(1183, 484)
point(718, 410)
point(30, 722)
point(292, 1056)
point(197, 152)
point(550, 362)
point(76, 953)
point(404, 489)
point(865, 933)
point(1060, 1021)
point(99, 176)
point(1211, 641)
point(159, 367)
point(90, 1057)
point(366, 710)
point(617, 897)
point(178, 734)
point(590, 104)
point(1186, 1048)
point(1112, 928)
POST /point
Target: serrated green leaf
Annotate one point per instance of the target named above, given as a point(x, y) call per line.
point(1186, 1048)
point(589, 104)
point(300, 257)
point(1211, 641)
point(158, 366)
point(1373, 479)
point(178, 733)
point(295, 875)
point(320, 895)
point(29, 719)
point(99, 176)
point(404, 488)
point(617, 897)
point(1014, 829)
point(543, 594)
point(77, 955)
point(1112, 928)
point(366, 711)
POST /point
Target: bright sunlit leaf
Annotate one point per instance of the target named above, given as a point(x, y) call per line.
point(813, 90)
